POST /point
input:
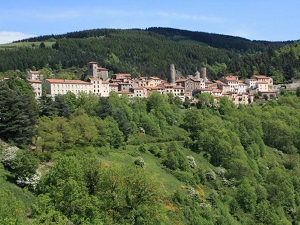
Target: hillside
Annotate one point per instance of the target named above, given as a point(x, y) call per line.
point(149, 52)
point(147, 161)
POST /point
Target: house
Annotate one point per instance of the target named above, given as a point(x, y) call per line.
point(124, 86)
point(34, 75)
point(62, 86)
point(96, 71)
point(100, 87)
point(232, 81)
point(222, 86)
point(113, 87)
point(37, 87)
point(192, 84)
point(140, 92)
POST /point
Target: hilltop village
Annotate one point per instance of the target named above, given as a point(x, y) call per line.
point(99, 83)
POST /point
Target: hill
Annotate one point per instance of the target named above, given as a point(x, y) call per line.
point(151, 161)
point(149, 52)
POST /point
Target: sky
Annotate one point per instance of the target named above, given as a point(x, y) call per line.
point(271, 20)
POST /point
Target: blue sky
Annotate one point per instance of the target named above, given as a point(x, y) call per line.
point(272, 20)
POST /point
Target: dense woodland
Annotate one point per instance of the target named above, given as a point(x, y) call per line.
point(149, 53)
point(90, 160)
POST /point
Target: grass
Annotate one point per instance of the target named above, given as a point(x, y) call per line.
point(25, 44)
point(167, 181)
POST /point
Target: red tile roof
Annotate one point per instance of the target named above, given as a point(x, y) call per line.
point(260, 76)
point(34, 81)
point(102, 69)
point(221, 82)
point(216, 90)
point(64, 81)
point(178, 87)
point(231, 78)
point(180, 80)
point(34, 72)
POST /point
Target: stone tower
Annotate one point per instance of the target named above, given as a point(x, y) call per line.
point(203, 73)
point(172, 74)
point(92, 69)
point(197, 75)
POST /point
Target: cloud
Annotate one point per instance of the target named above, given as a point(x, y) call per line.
point(9, 36)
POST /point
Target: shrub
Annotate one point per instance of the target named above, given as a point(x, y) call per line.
point(139, 162)
point(191, 161)
point(8, 155)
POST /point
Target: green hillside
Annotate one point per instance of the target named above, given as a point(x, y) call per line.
point(149, 52)
point(147, 161)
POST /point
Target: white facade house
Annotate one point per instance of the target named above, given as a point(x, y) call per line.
point(34, 75)
point(100, 87)
point(140, 92)
point(232, 81)
point(37, 87)
point(62, 86)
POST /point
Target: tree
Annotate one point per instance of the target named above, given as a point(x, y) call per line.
point(62, 107)
point(204, 100)
point(175, 159)
point(246, 196)
point(18, 113)
point(298, 91)
point(46, 106)
point(24, 164)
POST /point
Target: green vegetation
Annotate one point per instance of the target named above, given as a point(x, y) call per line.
point(150, 52)
point(149, 161)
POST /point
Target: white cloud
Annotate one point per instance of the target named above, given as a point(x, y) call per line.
point(9, 36)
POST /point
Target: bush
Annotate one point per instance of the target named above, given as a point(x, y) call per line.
point(191, 161)
point(139, 162)
point(185, 177)
point(8, 155)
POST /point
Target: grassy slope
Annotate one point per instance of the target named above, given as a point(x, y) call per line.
point(24, 44)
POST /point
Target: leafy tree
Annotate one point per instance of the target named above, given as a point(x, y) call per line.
point(17, 113)
point(246, 196)
point(62, 107)
point(175, 158)
point(46, 106)
point(24, 164)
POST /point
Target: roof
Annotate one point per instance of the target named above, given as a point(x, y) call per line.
point(101, 68)
point(157, 88)
point(123, 74)
point(221, 83)
point(123, 83)
point(64, 81)
point(262, 82)
point(155, 78)
point(34, 81)
point(34, 71)
point(260, 77)
point(178, 87)
point(216, 90)
point(203, 89)
point(138, 88)
point(124, 92)
point(180, 80)
point(231, 78)
point(113, 84)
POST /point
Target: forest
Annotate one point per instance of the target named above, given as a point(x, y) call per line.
point(158, 160)
point(149, 52)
